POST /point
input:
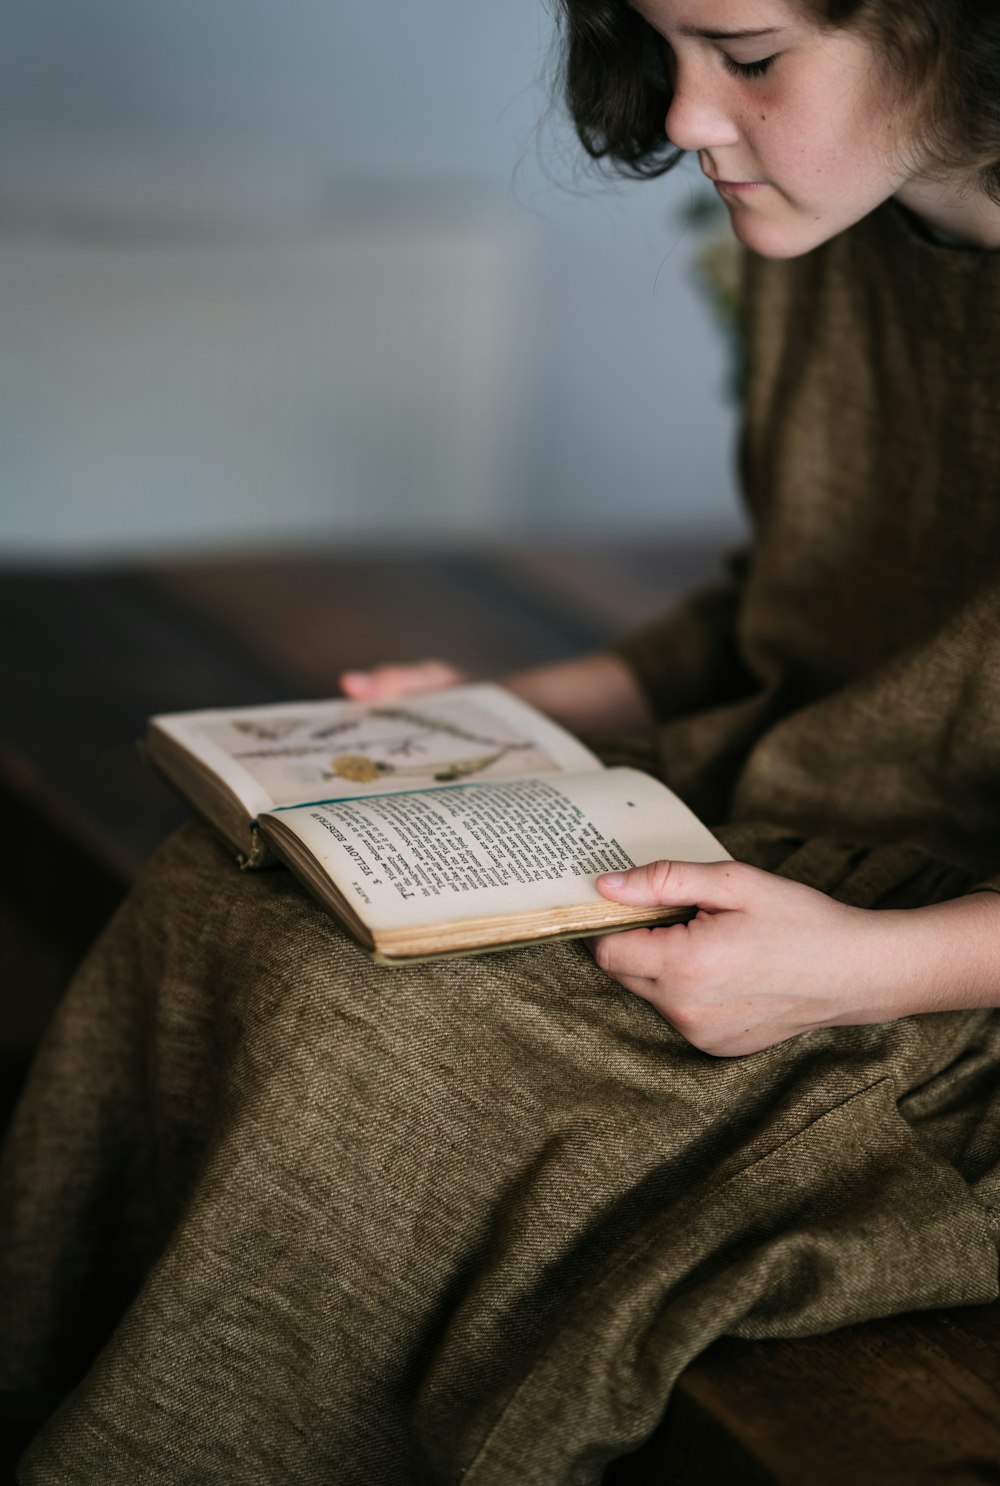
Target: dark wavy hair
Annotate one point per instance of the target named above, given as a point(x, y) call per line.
point(944, 53)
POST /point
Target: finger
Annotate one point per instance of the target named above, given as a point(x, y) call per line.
point(641, 954)
point(356, 684)
point(638, 985)
point(388, 681)
point(429, 675)
point(712, 885)
point(652, 992)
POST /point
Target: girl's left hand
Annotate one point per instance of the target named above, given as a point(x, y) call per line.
point(764, 958)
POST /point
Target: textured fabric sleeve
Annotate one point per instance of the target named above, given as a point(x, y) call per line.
point(898, 874)
point(688, 658)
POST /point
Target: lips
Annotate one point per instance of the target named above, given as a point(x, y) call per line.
point(738, 185)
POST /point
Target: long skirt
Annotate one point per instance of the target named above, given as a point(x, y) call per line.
point(272, 1214)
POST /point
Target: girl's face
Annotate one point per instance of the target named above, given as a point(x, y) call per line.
point(794, 124)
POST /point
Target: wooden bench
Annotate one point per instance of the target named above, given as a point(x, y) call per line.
point(912, 1400)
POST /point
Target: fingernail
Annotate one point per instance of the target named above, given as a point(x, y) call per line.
point(613, 879)
point(356, 678)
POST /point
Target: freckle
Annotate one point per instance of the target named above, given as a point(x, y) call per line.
point(763, 118)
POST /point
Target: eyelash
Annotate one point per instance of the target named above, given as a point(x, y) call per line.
point(748, 69)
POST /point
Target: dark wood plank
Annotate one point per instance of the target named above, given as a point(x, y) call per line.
point(888, 1403)
point(316, 616)
point(621, 584)
point(53, 900)
point(903, 1401)
point(94, 654)
point(487, 612)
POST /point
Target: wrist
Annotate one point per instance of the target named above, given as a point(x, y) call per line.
point(944, 957)
point(594, 693)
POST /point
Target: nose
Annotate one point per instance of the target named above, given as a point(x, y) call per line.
point(699, 117)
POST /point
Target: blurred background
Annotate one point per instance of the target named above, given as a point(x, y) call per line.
point(283, 272)
point(318, 346)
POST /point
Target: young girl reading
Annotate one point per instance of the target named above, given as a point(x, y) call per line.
point(273, 1214)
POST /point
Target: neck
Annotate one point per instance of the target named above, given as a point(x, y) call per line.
point(955, 210)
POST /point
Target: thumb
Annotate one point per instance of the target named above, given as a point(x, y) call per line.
point(674, 885)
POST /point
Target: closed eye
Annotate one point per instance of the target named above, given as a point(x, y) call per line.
point(749, 69)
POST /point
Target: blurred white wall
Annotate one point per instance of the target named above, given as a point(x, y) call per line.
point(272, 272)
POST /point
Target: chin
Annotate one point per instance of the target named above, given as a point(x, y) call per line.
point(776, 239)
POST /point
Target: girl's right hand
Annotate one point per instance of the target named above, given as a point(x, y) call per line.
point(383, 683)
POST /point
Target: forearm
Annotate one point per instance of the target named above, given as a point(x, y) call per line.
point(594, 693)
point(945, 957)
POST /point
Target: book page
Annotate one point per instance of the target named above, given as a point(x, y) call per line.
point(495, 848)
point(294, 753)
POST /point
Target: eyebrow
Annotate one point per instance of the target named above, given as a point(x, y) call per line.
point(728, 35)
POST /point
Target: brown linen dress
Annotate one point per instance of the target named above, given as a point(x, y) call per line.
point(271, 1214)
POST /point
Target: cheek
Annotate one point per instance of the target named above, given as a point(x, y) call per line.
point(844, 139)
point(789, 137)
point(813, 156)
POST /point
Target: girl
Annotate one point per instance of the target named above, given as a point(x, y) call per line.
point(272, 1214)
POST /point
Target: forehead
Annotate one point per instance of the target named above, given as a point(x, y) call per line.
point(698, 17)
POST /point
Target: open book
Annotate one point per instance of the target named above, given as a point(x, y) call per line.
point(455, 821)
